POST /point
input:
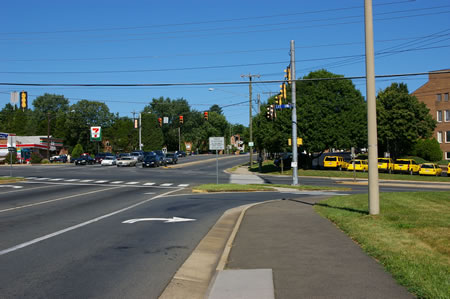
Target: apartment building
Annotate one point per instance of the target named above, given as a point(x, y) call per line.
point(435, 94)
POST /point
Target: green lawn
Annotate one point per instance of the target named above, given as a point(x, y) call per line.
point(410, 237)
point(10, 179)
point(269, 168)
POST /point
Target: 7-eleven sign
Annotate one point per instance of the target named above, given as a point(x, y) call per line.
point(96, 133)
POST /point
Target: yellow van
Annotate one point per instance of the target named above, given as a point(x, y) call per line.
point(360, 165)
point(385, 165)
point(430, 169)
point(406, 166)
point(335, 162)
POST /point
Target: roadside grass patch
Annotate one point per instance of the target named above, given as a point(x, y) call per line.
point(410, 237)
point(7, 180)
point(259, 187)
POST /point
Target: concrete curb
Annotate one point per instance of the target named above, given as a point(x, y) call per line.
point(193, 278)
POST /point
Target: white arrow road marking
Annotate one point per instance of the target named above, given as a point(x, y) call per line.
point(166, 220)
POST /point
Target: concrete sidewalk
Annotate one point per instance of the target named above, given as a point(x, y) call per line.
point(295, 253)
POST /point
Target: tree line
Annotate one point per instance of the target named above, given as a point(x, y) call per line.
point(72, 123)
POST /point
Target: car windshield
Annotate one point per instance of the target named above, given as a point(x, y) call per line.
point(357, 162)
point(402, 162)
point(383, 160)
point(427, 166)
point(126, 158)
point(170, 155)
point(135, 154)
point(330, 158)
point(108, 158)
point(150, 158)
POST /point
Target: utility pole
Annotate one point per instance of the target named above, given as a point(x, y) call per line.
point(374, 196)
point(258, 96)
point(294, 119)
point(48, 135)
point(250, 76)
point(140, 131)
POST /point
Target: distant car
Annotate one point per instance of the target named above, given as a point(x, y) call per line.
point(286, 158)
point(100, 156)
point(406, 166)
point(60, 158)
point(138, 155)
point(109, 161)
point(84, 160)
point(150, 161)
point(430, 169)
point(181, 154)
point(360, 165)
point(385, 165)
point(126, 161)
point(171, 158)
point(161, 157)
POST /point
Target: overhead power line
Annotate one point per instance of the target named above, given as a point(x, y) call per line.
point(211, 83)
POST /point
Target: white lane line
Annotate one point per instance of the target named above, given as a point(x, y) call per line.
point(11, 186)
point(72, 180)
point(31, 178)
point(166, 185)
point(56, 179)
point(117, 182)
point(85, 181)
point(100, 182)
point(41, 179)
point(131, 183)
point(150, 193)
point(19, 246)
point(183, 185)
point(53, 200)
point(149, 184)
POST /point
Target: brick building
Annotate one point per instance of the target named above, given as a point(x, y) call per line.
point(435, 94)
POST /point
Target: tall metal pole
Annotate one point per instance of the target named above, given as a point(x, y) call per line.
point(48, 135)
point(374, 196)
point(140, 131)
point(294, 118)
point(179, 138)
point(250, 76)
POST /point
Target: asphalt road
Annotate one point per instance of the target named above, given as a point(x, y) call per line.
point(62, 232)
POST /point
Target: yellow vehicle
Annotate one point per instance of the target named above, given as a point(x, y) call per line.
point(360, 165)
point(385, 165)
point(406, 166)
point(430, 169)
point(335, 162)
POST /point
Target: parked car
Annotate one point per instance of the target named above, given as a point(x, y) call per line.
point(161, 156)
point(430, 169)
point(138, 155)
point(150, 161)
point(385, 165)
point(171, 158)
point(84, 159)
point(126, 161)
point(286, 158)
point(360, 165)
point(406, 166)
point(109, 161)
point(335, 162)
point(60, 158)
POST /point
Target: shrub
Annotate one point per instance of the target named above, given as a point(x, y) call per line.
point(45, 161)
point(77, 151)
point(428, 149)
point(35, 158)
point(8, 158)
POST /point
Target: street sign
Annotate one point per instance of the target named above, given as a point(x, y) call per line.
point(166, 119)
point(96, 133)
point(216, 143)
point(250, 144)
point(11, 149)
point(299, 141)
point(283, 106)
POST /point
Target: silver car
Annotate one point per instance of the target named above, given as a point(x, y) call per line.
point(109, 161)
point(126, 161)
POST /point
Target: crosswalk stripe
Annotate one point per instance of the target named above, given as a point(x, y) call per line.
point(31, 178)
point(71, 180)
point(85, 181)
point(100, 182)
point(41, 179)
point(166, 185)
point(117, 182)
point(183, 185)
point(149, 184)
point(131, 183)
point(58, 179)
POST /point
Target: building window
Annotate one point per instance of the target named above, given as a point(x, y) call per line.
point(445, 97)
point(439, 137)
point(439, 116)
point(447, 115)
point(447, 155)
point(447, 136)
point(438, 97)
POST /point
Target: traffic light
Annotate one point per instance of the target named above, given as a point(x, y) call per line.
point(268, 115)
point(278, 100)
point(160, 121)
point(205, 115)
point(283, 91)
point(273, 112)
point(181, 119)
point(288, 74)
point(23, 99)
point(136, 123)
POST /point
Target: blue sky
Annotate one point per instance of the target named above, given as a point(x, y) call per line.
point(151, 42)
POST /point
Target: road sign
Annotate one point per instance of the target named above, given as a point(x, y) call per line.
point(299, 141)
point(251, 144)
point(96, 133)
point(11, 149)
point(216, 143)
point(283, 106)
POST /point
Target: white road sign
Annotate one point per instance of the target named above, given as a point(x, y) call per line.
point(216, 143)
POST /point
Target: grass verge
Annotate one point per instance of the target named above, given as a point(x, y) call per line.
point(269, 168)
point(258, 187)
point(410, 237)
point(6, 180)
